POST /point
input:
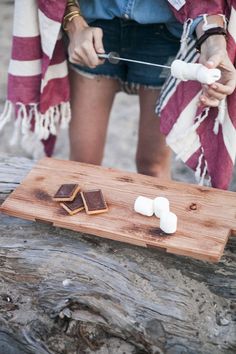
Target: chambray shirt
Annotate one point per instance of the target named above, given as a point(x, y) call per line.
point(142, 11)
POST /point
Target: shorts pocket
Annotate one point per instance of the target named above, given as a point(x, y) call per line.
point(167, 35)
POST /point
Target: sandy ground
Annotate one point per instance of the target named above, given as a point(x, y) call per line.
point(123, 126)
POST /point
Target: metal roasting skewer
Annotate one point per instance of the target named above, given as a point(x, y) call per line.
point(114, 58)
point(179, 69)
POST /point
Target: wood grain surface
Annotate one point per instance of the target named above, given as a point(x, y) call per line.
point(206, 216)
point(118, 298)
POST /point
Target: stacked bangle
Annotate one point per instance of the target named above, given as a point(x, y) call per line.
point(210, 32)
point(71, 3)
point(70, 14)
point(69, 17)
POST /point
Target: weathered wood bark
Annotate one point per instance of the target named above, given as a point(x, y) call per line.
point(64, 292)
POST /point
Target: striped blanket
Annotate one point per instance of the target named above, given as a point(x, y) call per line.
point(38, 91)
point(205, 139)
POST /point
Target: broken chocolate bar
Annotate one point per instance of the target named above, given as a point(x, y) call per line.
point(75, 206)
point(94, 201)
point(66, 193)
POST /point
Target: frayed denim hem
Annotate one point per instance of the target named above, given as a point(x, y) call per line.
point(131, 88)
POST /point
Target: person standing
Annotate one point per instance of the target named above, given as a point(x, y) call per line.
point(137, 30)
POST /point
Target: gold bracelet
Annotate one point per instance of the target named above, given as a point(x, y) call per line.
point(71, 3)
point(69, 17)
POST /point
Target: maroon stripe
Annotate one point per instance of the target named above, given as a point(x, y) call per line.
point(220, 165)
point(54, 9)
point(45, 64)
point(49, 145)
point(183, 94)
point(231, 100)
point(192, 162)
point(231, 46)
point(59, 55)
point(24, 89)
point(232, 108)
point(27, 48)
point(56, 91)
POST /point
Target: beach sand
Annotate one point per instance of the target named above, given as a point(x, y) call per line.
point(123, 126)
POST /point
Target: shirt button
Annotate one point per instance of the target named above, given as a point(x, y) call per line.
point(126, 16)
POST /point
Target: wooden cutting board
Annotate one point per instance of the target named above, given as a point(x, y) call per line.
point(206, 216)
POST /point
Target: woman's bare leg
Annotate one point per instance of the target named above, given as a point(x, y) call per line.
point(153, 157)
point(91, 102)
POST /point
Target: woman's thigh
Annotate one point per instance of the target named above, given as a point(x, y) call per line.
point(91, 101)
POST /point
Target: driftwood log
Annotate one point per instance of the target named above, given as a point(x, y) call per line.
point(66, 292)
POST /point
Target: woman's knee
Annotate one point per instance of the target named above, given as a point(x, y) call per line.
point(156, 167)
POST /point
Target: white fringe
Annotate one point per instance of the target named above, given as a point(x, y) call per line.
point(16, 133)
point(198, 168)
point(65, 115)
point(220, 117)
point(6, 114)
point(201, 176)
point(44, 125)
point(185, 35)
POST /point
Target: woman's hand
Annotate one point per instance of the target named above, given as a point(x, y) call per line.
point(214, 55)
point(84, 43)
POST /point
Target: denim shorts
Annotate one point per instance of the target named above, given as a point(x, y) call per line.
point(151, 43)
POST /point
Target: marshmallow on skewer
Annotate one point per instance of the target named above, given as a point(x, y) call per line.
point(168, 222)
point(144, 206)
point(161, 205)
point(194, 71)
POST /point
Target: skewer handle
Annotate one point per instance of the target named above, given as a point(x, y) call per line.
point(112, 57)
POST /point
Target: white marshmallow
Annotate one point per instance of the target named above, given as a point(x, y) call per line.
point(194, 71)
point(161, 205)
point(168, 222)
point(144, 206)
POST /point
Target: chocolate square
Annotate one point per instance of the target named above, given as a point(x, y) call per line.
point(94, 201)
point(75, 206)
point(66, 192)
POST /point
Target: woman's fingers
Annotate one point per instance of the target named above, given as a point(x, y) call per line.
point(214, 61)
point(217, 92)
point(98, 43)
point(214, 55)
point(209, 101)
point(225, 89)
point(74, 57)
point(88, 54)
point(213, 94)
point(84, 47)
point(97, 40)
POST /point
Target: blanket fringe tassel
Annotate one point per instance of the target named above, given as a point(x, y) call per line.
point(201, 175)
point(220, 117)
point(29, 133)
